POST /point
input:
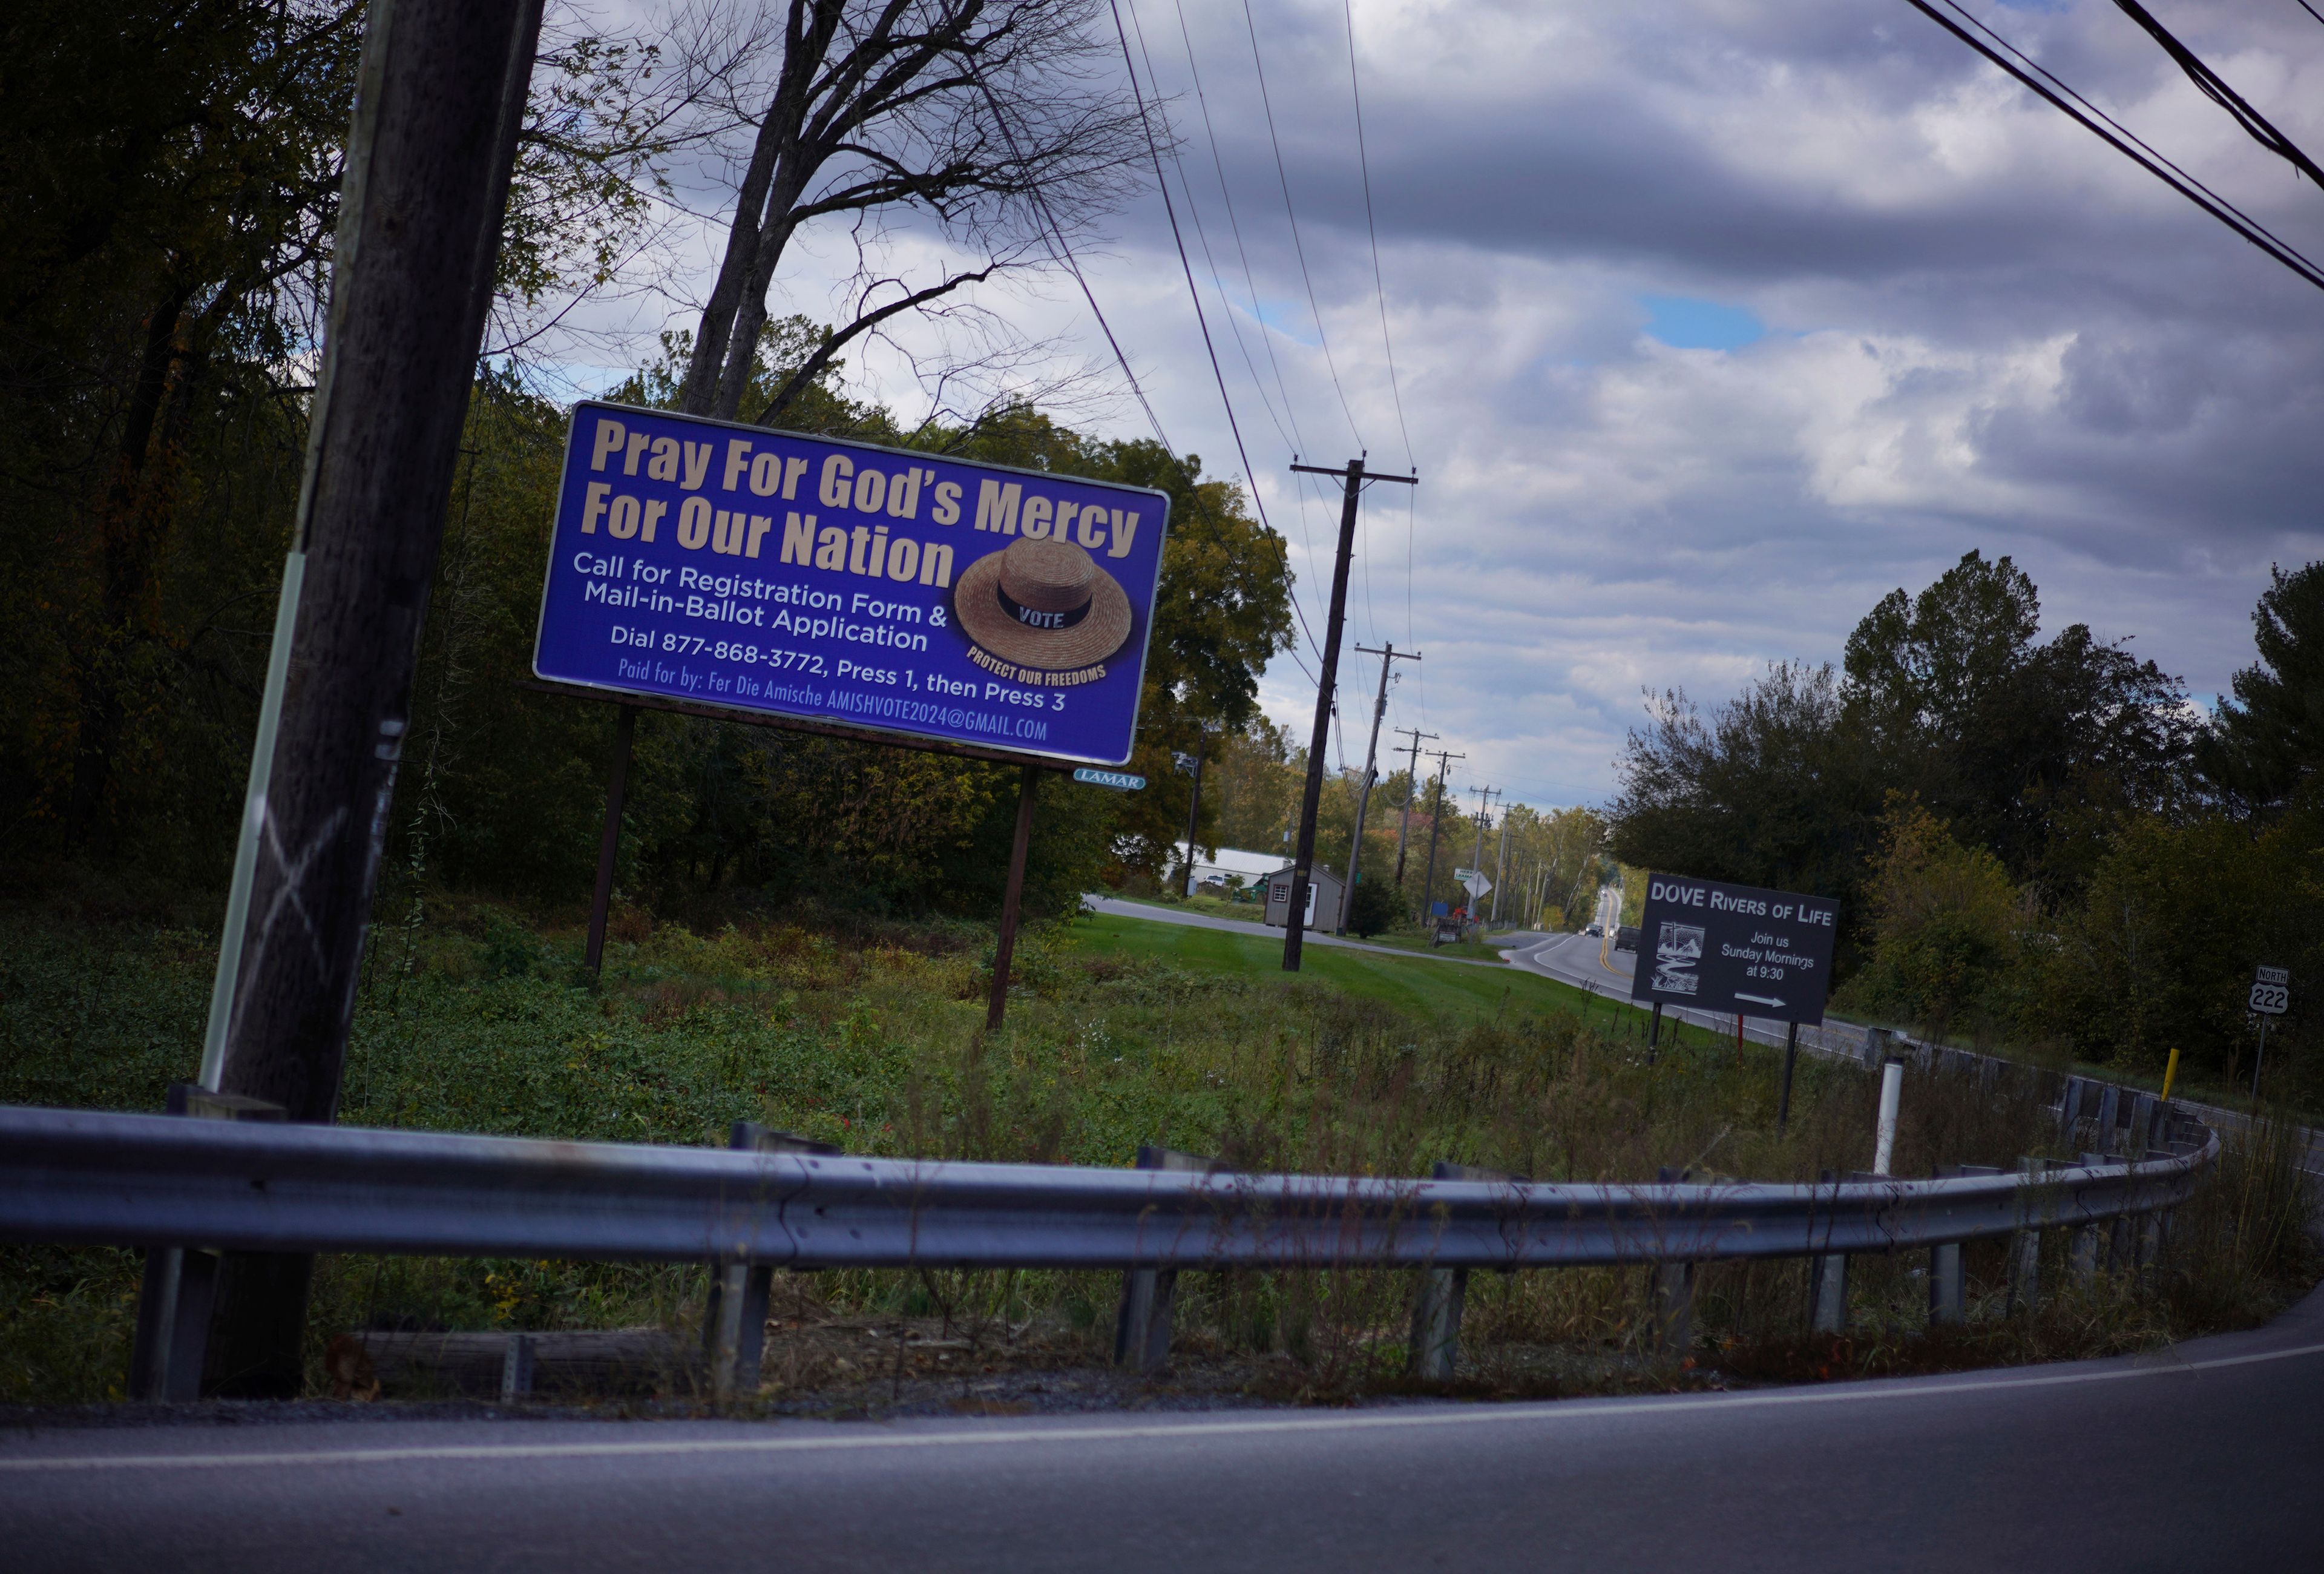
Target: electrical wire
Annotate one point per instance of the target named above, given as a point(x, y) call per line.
point(1380, 290)
point(1306, 536)
point(1234, 226)
point(2256, 124)
point(2126, 143)
point(1193, 293)
point(1202, 234)
point(1322, 337)
point(1060, 250)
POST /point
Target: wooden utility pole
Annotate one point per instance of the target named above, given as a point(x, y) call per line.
point(1444, 758)
point(439, 98)
point(1476, 865)
point(1388, 657)
point(1351, 480)
point(1195, 804)
point(1411, 792)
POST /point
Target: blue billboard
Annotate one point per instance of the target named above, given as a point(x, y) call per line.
point(844, 583)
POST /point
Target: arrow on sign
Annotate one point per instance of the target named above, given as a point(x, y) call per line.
point(1759, 1000)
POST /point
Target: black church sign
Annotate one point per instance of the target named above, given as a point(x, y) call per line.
point(1735, 949)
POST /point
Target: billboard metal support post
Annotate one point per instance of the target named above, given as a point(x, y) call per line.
point(1790, 1057)
point(1352, 479)
point(609, 847)
point(1005, 951)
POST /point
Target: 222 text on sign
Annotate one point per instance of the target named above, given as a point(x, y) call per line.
point(1735, 949)
point(877, 588)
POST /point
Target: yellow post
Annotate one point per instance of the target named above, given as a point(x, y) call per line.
point(2169, 1075)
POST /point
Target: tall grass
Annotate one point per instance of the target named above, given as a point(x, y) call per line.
point(873, 1039)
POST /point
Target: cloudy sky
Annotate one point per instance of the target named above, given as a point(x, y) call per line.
point(1713, 321)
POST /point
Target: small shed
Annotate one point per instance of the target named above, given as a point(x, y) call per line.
point(1325, 890)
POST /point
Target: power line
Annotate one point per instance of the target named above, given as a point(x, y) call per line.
point(1202, 231)
point(1059, 249)
point(1380, 290)
point(1193, 293)
point(1298, 250)
point(1305, 536)
point(2154, 163)
point(1234, 226)
point(2256, 124)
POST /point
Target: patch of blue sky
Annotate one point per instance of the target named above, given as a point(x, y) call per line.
point(1685, 322)
point(1282, 317)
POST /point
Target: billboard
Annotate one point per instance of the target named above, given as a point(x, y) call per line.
point(1735, 949)
point(931, 598)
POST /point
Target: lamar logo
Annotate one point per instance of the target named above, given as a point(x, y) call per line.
point(1677, 949)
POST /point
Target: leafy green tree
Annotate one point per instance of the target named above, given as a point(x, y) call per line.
point(1377, 906)
point(1946, 928)
point(1771, 788)
point(2269, 740)
point(2030, 749)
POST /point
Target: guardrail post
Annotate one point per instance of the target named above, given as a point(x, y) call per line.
point(734, 1319)
point(1672, 1314)
point(517, 1368)
point(2088, 1245)
point(1948, 1284)
point(2070, 1106)
point(179, 1285)
point(1828, 1284)
point(2109, 1115)
point(1141, 1329)
point(2141, 1123)
point(2026, 1244)
point(1436, 1352)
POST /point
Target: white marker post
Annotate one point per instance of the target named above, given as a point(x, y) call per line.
point(1884, 1141)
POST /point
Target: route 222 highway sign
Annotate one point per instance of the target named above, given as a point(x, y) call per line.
point(2271, 991)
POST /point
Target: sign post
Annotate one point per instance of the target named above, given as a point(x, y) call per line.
point(881, 594)
point(1738, 948)
point(2271, 995)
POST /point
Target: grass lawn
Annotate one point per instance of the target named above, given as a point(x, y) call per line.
point(1245, 912)
point(1120, 1031)
point(1428, 987)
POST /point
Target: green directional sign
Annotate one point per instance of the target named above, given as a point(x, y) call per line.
point(1120, 781)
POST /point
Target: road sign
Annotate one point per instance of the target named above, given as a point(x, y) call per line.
point(2271, 991)
point(1735, 949)
point(1474, 883)
point(1120, 781)
point(901, 592)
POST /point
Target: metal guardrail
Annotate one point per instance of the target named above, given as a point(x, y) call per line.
point(189, 1189)
point(153, 1181)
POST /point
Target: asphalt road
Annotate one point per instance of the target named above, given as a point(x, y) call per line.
point(1118, 908)
point(2202, 1458)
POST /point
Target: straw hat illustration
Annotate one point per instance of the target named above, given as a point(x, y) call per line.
point(1043, 604)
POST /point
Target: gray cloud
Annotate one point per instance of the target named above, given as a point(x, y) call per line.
point(1984, 330)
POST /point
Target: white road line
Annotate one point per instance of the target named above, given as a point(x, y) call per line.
point(1482, 1415)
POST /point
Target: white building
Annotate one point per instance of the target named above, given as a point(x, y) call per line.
point(1251, 868)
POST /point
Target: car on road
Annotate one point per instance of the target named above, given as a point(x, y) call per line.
point(1625, 938)
point(1594, 930)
